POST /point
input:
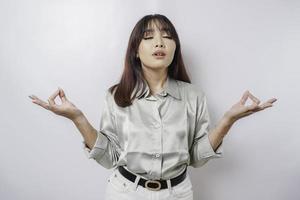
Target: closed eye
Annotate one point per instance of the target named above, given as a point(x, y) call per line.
point(152, 38)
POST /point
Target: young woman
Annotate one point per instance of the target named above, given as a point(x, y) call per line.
point(154, 122)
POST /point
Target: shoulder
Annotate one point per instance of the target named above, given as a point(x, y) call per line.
point(109, 98)
point(190, 90)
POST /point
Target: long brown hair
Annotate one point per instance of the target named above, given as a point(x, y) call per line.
point(132, 76)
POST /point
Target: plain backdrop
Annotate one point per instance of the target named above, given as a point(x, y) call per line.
point(228, 47)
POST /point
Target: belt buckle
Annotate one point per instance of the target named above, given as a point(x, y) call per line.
point(153, 181)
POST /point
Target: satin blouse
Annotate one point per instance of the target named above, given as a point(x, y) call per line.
point(159, 135)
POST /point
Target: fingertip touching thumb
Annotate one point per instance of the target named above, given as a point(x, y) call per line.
point(62, 93)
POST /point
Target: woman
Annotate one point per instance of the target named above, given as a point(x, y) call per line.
point(154, 122)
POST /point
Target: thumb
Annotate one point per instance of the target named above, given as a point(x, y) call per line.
point(62, 95)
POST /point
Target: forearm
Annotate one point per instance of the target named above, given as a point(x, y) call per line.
point(217, 134)
point(88, 132)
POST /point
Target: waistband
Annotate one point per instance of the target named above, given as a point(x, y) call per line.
point(152, 184)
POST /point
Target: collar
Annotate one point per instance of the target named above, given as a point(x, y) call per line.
point(170, 87)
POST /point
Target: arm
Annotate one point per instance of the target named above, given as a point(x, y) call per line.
point(96, 143)
point(217, 134)
point(202, 150)
point(88, 132)
point(236, 112)
point(101, 145)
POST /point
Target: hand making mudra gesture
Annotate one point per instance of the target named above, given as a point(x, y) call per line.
point(70, 111)
point(240, 110)
point(66, 108)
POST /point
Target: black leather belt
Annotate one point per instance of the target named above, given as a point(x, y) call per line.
point(152, 184)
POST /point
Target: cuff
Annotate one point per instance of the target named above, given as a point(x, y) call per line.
point(207, 150)
point(99, 146)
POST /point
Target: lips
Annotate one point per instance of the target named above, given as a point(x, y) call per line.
point(159, 53)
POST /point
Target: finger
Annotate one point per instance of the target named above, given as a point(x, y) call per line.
point(265, 105)
point(32, 96)
point(42, 104)
point(39, 102)
point(35, 98)
point(62, 95)
point(52, 97)
point(268, 103)
point(272, 100)
point(256, 100)
point(244, 97)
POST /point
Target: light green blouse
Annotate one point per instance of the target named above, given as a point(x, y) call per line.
point(158, 135)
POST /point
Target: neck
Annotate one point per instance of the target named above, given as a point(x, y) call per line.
point(155, 78)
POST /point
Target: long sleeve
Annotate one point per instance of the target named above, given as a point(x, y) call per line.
point(201, 150)
point(106, 150)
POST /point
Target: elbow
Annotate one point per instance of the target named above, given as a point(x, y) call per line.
point(199, 163)
point(105, 164)
point(108, 159)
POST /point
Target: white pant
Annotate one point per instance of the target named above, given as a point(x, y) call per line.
point(120, 188)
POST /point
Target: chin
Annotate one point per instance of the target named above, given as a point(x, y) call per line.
point(157, 65)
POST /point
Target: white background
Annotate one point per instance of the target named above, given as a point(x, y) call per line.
point(228, 47)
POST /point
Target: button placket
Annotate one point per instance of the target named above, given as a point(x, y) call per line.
point(158, 123)
point(157, 146)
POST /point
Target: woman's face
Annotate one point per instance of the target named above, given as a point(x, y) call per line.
point(156, 49)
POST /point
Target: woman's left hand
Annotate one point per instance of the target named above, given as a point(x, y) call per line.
point(240, 110)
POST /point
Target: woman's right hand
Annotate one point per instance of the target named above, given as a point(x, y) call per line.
point(66, 109)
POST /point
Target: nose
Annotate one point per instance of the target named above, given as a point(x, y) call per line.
point(160, 45)
point(159, 42)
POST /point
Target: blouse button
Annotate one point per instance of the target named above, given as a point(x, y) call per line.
point(156, 125)
point(157, 155)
